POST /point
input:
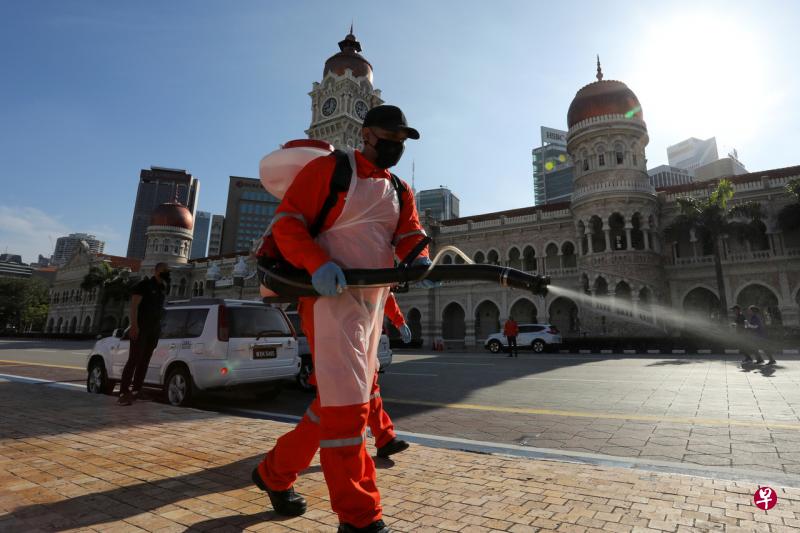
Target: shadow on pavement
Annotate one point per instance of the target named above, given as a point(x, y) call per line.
point(81, 412)
point(234, 523)
point(125, 502)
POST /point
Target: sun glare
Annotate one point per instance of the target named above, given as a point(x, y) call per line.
point(702, 74)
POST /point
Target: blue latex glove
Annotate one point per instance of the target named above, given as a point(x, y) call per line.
point(328, 278)
point(426, 261)
point(405, 333)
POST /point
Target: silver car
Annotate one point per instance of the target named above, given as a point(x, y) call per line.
point(539, 337)
point(205, 344)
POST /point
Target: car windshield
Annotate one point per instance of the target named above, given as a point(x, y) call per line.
point(254, 321)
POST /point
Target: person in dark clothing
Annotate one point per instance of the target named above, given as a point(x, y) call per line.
point(740, 322)
point(511, 330)
point(755, 323)
point(147, 306)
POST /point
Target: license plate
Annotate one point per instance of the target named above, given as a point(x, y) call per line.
point(264, 352)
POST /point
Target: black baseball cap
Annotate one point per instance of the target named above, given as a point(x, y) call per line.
point(389, 117)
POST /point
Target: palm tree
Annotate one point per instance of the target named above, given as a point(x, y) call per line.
point(712, 219)
point(113, 283)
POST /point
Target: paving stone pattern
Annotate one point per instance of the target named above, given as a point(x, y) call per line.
point(71, 461)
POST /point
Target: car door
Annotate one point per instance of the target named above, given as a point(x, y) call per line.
point(173, 325)
point(119, 350)
point(191, 344)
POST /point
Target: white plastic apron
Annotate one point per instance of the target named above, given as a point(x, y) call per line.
point(348, 326)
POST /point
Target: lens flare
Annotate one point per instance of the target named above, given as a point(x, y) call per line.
point(562, 158)
point(549, 166)
point(633, 111)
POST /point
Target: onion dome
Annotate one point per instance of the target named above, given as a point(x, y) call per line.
point(349, 58)
point(172, 214)
point(603, 97)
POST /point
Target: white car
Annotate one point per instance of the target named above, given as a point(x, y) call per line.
point(539, 337)
point(205, 344)
point(306, 366)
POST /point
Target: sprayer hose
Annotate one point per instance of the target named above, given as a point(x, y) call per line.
point(288, 281)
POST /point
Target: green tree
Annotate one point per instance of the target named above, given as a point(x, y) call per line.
point(114, 284)
point(712, 219)
point(23, 304)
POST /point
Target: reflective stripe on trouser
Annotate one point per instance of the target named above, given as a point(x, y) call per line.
point(379, 422)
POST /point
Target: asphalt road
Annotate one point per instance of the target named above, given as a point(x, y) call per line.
point(699, 410)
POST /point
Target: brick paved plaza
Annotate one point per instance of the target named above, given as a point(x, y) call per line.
point(74, 461)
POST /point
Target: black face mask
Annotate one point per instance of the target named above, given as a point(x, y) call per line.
point(165, 277)
point(389, 152)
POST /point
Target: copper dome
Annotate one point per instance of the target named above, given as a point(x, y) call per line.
point(172, 214)
point(349, 58)
point(603, 97)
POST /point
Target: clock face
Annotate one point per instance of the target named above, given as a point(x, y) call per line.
point(329, 107)
point(361, 109)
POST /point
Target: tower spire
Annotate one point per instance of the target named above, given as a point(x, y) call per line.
point(351, 26)
point(599, 70)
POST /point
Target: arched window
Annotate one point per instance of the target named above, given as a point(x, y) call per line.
point(602, 160)
point(619, 240)
point(514, 258)
point(529, 259)
point(493, 258)
point(479, 258)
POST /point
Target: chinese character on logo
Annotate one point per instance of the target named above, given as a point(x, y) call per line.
point(765, 498)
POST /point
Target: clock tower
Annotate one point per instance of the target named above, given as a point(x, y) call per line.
point(341, 100)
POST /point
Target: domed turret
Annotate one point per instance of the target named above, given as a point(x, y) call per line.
point(349, 58)
point(603, 97)
point(172, 214)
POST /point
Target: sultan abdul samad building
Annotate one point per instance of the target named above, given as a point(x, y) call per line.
point(609, 240)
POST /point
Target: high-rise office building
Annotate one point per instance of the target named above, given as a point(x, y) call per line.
point(552, 169)
point(692, 153)
point(667, 176)
point(66, 246)
point(215, 237)
point(727, 166)
point(440, 203)
point(250, 210)
point(202, 225)
point(157, 186)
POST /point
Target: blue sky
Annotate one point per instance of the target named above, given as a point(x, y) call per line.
point(94, 91)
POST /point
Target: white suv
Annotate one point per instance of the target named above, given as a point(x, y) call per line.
point(205, 344)
point(537, 336)
point(306, 366)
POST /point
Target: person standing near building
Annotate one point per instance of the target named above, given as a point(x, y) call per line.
point(511, 330)
point(368, 225)
point(740, 323)
point(147, 306)
point(755, 323)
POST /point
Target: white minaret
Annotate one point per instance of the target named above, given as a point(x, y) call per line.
point(341, 100)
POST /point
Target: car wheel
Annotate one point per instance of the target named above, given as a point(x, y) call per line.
point(179, 387)
point(303, 377)
point(538, 346)
point(97, 381)
point(495, 346)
